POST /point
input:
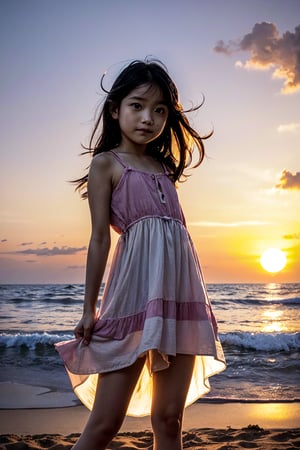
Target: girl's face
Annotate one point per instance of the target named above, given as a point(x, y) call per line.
point(142, 116)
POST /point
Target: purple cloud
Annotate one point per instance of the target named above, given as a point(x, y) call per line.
point(269, 50)
point(55, 251)
point(288, 181)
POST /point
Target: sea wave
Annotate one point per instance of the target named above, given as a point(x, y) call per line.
point(217, 302)
point(32, 340)
point(288, 301)
point(47, 299)
point(267, 342)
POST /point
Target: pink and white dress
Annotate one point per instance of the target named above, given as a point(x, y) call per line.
point(155, 301)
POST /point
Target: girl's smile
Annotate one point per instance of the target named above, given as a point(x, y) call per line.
point(142, 116)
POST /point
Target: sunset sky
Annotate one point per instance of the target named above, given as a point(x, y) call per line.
point(242, 55)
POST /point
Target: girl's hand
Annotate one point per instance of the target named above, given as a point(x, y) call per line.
point(85, 327)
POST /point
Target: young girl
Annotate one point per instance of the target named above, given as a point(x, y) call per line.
point(153, 344)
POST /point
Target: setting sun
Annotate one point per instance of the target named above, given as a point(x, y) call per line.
point(273, 260)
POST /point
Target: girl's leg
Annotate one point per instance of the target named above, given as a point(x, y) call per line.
point(170, 388)
point(113, 395)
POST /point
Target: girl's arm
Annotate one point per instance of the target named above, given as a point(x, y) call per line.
point(99, 195)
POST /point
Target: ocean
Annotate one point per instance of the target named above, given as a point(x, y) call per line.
point(258, 328)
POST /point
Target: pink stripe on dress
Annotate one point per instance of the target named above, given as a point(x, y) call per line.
point(120, 327)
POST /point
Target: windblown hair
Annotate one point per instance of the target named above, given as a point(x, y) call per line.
point(175, 145)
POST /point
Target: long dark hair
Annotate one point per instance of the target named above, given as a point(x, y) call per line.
point(173, 147)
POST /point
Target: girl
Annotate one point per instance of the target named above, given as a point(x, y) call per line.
point(153, 344)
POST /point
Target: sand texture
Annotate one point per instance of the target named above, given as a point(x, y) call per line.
point(225, 439)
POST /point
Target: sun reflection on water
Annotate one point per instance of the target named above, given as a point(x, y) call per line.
point(272, 321)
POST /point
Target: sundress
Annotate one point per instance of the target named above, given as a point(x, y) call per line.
point(155, 302)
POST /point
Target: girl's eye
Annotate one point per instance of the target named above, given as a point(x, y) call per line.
point(136, 105)
point(161, 110)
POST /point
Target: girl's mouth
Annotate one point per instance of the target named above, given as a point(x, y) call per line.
point(144, 130)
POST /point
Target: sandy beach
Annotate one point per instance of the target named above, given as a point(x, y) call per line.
point(206, 438)
point(206, 425)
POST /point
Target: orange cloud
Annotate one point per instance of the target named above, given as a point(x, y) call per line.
point(288, 181)
point(270, 50)
point(293, 236)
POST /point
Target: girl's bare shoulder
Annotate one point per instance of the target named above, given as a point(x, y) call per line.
point(102, 161)
point(106, 165)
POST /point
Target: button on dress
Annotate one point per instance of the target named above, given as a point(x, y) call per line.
point(154, 303)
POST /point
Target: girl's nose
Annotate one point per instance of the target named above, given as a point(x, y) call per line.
point(147, 118)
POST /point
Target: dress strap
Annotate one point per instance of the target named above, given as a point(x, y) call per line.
point(118, 158)
point(126, 166)
point(165, 169)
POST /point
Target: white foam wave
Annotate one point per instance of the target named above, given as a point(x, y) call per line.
point(31, 340)
point(268, 342)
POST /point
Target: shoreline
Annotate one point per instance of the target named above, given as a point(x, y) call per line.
point(214, 427)
point(32, 409)
point(15, 395)
point(68, 420)
point(211, 425)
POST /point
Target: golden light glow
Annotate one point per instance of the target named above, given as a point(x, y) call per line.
point(273, 318)
point(274, 412)
point(273, 260)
